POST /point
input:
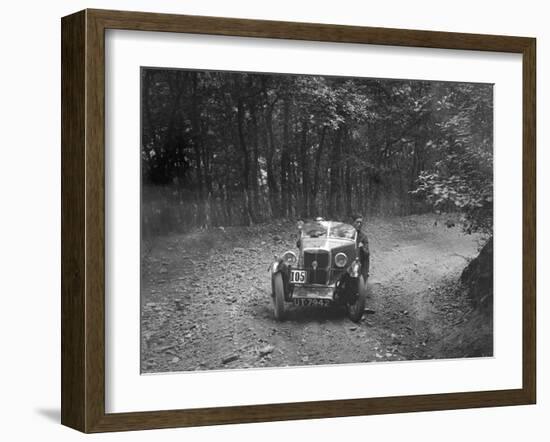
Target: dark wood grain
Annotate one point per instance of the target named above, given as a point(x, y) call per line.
point(529, 221)
point(73, 129)
point(308, 410)
point(143, 21)
point(83, 220)
point(95, 221)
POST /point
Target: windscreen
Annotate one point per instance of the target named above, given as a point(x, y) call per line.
point(315, 229)
point(341, 230)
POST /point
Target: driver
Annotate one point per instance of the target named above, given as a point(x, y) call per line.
point(363, 245)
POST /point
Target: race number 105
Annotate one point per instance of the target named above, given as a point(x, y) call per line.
point(297, 276)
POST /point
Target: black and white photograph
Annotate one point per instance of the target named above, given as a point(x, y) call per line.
point(302, 220)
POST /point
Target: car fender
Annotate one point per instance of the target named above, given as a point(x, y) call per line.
point(279, 267)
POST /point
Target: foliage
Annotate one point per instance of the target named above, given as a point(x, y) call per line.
point(223, 148)
point(462, 179)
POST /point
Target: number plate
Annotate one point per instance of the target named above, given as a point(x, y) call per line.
point(298, 276)
point(303, 302)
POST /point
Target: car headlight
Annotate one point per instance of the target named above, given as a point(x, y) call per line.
point(340, 259)
point(290, 258)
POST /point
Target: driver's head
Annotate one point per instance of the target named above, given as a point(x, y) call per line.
point(357, 222)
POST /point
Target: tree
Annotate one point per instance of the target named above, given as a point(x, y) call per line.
point(222, 148)
point(461, 180)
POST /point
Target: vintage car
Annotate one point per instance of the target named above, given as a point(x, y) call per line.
point(325, 270)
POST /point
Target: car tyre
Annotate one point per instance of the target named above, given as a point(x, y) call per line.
point(278, 297)
point(357, 308)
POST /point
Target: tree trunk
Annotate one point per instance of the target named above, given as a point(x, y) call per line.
point(285, 162)
point(197, 145)
point(335, 168)
point(247, 206)
point(316, 170)
point(255, 164)
point(348, 187)
point(148, 126)
point(271, 179)
point(304, 170)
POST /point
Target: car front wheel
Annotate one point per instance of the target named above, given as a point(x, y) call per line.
point(356, 308)
point(278, 297)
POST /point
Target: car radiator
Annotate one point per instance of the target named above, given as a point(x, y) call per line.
point(319, 273)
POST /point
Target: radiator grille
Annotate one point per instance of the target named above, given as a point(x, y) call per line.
point(321, 273)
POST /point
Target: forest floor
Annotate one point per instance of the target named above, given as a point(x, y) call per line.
point(206, 300)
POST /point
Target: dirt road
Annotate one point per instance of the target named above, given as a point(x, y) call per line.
point(206, 300)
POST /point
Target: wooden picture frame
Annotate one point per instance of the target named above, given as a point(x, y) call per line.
point(83, 220)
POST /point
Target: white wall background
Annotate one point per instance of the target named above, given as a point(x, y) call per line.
point(30, 216)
